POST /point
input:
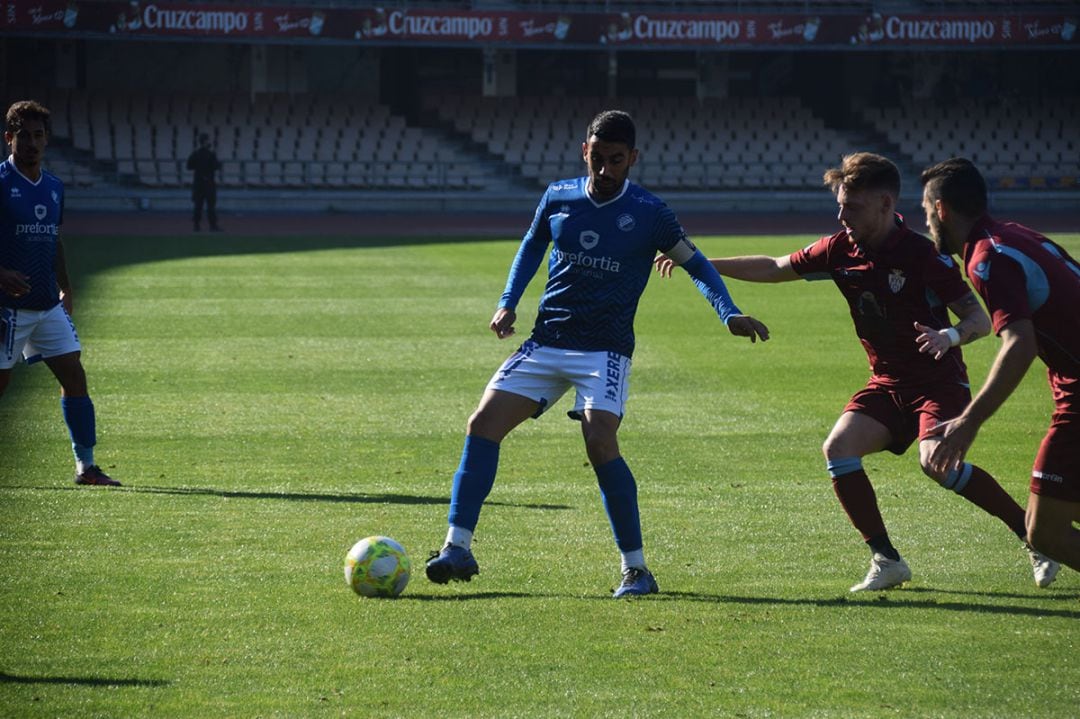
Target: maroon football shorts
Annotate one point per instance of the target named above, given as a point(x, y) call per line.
point(1056, 472)
point(910, 413)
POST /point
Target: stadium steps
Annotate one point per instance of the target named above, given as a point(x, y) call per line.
point(863, 135)
point(504, 177)
point(79, 168)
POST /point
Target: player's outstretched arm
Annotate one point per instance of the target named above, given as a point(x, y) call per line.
point(751, 268)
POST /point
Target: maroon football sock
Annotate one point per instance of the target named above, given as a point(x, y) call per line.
point(857, 497)
point(983, 491)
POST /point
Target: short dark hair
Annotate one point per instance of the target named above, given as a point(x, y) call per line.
point(613, 126)
point(25, 110)
point(959, 183)
point(864, 171)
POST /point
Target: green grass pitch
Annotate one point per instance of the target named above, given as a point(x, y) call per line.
point(269, 402)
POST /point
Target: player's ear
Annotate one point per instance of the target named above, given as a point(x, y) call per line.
point(888, 203)
point(633, 157)
point(585, 152)
point(941, 210)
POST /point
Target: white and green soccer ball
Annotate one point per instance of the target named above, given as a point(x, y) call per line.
point(377, 567)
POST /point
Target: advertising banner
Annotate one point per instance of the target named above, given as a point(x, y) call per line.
point(630, 30)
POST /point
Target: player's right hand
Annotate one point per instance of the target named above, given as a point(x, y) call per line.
point(663, 265)
point(14, 283)
point(502, 324)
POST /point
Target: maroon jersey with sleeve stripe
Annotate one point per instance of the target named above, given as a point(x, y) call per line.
point(1022, 275)
point(888, 290)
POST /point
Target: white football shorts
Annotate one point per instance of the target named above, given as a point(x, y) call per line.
point(36, 335)
point(544, 374)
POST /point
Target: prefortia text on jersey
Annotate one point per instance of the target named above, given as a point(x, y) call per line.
point(580, 258)
point(37, 228)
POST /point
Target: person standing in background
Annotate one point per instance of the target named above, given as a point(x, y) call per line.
point(205, 164)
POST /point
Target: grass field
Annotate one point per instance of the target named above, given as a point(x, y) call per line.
point(268, 402)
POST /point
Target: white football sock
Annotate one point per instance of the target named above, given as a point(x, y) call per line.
point(459, 537)
point(633, 559)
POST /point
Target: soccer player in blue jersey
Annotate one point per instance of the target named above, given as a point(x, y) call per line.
point(604, 232)
point(35, 292)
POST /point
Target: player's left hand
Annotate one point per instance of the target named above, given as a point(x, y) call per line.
point(67, 301)
point(747, 326)
point(931, 341)
point(663, 265)
point(956, 437)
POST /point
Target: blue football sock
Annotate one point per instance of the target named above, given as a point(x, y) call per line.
point(79, 418)
point(473, 481)
point(619, 492)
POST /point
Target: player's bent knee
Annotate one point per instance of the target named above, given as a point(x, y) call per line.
point(1049, 537)
point(955, 479)
point(478, 425)
point(941, 478)
point(1047, 541)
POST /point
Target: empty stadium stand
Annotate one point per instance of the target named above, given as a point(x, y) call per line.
point(457, 143)
point(271, 141)
point(1017, 145)
point(751, 143)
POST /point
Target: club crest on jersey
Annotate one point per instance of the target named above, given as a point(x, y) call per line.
point(625, 222)
point(588, 239)
point(896, 280)
point(40, 211)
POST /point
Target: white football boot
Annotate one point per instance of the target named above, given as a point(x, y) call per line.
point(1043, 567)
point(884, 573)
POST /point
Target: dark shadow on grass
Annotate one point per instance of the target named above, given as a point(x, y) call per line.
point(6, 678)
point(882, 600)
point(892, 600)
point(358, 498)
point(345, 498)
point(1050, 593)
point(351, 498)
point(89, 255)
point(474, 596)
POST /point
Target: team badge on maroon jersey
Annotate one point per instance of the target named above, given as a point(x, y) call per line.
point(896, 280)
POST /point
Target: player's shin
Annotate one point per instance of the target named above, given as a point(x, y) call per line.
point(978, 487)
point(857, 497)
point(472, 483)
point(79, 417)
point(619, 492)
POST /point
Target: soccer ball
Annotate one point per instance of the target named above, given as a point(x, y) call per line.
point(377, 567)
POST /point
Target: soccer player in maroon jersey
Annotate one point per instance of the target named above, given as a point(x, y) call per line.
point(898, 288)
point(1031, 287)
